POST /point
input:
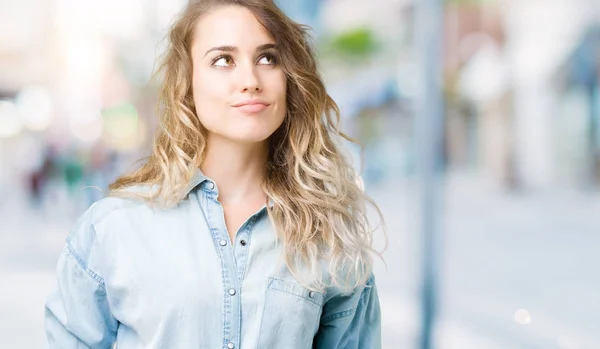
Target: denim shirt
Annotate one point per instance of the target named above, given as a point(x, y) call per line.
point(140, 277)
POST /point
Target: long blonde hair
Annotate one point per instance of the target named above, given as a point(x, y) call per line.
point(319, 207)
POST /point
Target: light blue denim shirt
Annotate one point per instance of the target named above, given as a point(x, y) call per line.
point(148, 278)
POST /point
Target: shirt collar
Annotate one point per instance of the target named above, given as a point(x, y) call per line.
point(198, 177)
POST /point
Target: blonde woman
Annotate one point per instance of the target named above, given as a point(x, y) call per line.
point(246, 227)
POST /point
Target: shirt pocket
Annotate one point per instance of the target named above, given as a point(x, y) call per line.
point(291, 315)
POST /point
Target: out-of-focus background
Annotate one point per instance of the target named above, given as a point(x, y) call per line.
point(518, 211)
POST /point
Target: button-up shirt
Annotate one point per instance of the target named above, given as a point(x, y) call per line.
point(142, 277)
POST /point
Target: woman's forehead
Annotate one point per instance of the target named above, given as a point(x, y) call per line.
point(230, 26)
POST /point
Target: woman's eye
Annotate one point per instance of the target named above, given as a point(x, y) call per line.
point(267, 60)
point(223, 62)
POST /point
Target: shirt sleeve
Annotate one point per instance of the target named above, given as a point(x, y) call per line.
point(77, 313)
point(352, 321)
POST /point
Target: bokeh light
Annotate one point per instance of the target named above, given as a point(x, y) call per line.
point(35, 107)
point(88, 127)
point(121, 126)
point(522, 317)
point(10, 122)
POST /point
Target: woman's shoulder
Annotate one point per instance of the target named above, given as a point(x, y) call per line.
point(126, 200)
point(98, 211)
point(106, 214)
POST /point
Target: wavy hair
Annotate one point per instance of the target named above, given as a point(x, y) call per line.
point(319, 208)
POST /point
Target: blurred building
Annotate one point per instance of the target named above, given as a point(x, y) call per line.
point(578, 89)
point(503, 106)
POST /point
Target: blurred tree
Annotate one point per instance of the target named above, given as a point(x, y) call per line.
point(355, 42)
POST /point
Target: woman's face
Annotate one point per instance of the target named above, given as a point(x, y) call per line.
point(239, 88)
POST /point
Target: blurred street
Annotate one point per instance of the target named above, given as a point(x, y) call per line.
point(556, 281)
point(501, 98)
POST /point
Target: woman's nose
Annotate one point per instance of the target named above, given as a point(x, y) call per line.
point(250, 81)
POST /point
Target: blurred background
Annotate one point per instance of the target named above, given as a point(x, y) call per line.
point(516, 159)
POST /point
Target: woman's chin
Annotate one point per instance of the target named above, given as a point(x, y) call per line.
point(249, 138)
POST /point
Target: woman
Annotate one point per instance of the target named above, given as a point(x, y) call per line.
point(246, 227)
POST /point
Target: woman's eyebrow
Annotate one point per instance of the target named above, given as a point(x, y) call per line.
point(234, 48)
point(266, 47)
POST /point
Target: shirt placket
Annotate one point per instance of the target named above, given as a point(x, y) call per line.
point(233, 264)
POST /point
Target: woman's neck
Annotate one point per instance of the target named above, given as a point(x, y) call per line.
point(237, 168)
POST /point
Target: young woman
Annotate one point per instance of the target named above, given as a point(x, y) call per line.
point(246, 227)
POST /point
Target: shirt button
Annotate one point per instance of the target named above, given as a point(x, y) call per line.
point(311, 294)
point(211, 185)
point(243, 242)
point(232, 291)
point(223, 242)
point(230, 345)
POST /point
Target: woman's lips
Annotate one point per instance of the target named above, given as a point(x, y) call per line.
point(252, 108)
